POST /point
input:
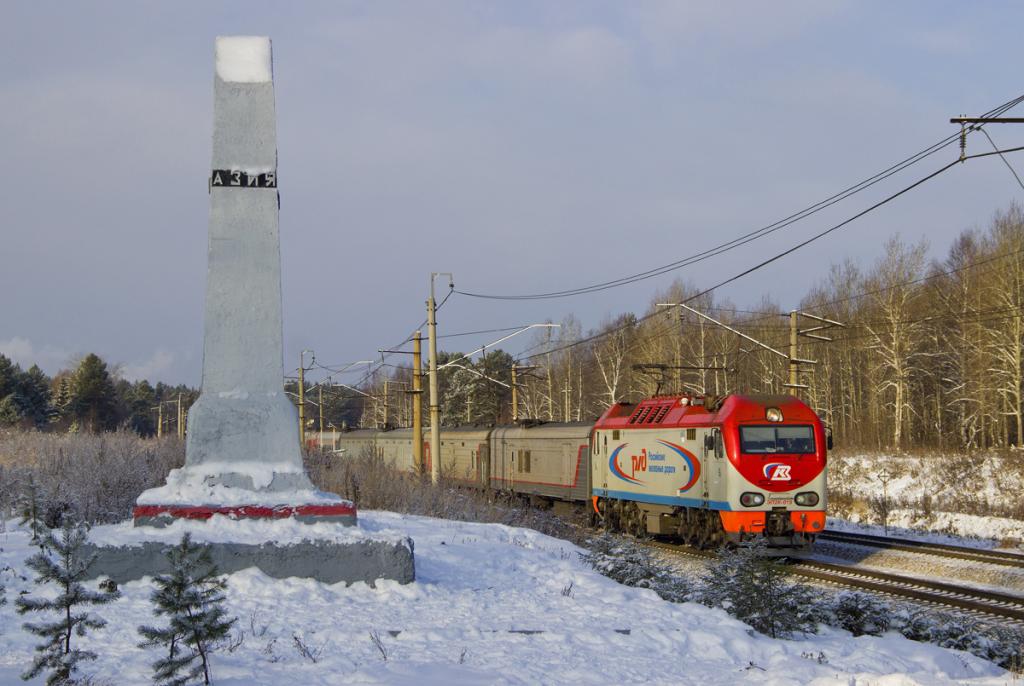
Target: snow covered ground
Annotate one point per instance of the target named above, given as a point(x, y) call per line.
point(491, 605)
point(985, 532)
point(964, 493)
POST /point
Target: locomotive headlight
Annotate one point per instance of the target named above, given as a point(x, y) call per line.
point(806, 499)
point(750, 499)
point(773, 414)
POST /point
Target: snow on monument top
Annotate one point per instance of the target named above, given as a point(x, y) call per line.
point(244, 59)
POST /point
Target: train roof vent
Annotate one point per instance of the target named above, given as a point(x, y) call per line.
point(651, 413)
point(640, 415)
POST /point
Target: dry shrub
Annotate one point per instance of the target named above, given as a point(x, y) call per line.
point(97, 476)
point(374, 484)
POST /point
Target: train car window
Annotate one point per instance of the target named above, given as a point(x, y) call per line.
point(615, 434)
point(691, 434)
point(526, 461)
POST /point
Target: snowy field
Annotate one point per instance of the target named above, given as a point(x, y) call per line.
point(492, 605)
point(965, 494)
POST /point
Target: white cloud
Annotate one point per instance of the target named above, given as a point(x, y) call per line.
point(152, 369)
point(50, 359)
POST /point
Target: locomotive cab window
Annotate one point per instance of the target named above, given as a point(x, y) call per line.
point(776, 439)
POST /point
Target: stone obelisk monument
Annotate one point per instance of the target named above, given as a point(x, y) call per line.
point(242, 456)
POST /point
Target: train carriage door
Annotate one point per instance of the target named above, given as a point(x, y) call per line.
point(713, 461)
point(707, 458)
point(484, 463)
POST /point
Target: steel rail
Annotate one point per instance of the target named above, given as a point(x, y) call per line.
point(933, 592)
point(964, 598)
point(996, 557)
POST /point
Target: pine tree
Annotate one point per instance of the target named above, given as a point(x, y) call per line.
point(10, 410)
point(66, 572)
point(61, 394)
point(860, 613)
point(139, 403)
point(35, 396)
point(11, 400)
point(94, 398)
point(754, 589)
point(192, 598)
point(8, 376)
point(31, 508)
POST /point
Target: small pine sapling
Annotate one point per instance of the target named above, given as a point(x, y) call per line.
point(755, 589)
point(860, 613)
point(30, 508)
point(192, 599)
point(62, 562)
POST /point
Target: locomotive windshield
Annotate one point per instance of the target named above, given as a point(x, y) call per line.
point(776, 439)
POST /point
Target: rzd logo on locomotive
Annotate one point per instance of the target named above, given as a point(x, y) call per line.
point(776, 471)
point(639, 464)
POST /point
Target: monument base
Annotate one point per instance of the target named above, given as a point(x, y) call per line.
point(279, 545)
point(161, 515)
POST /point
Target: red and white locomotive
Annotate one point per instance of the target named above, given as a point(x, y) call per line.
point(704, 469)
point(712, 470)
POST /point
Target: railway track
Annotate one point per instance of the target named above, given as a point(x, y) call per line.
point(995, 557)
point(963, 598)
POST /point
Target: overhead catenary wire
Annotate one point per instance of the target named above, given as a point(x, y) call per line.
point(758, 233)
point(370, 372)
point(942, 144)
point(670, 326)
point(794, 248)
point(1005, 161)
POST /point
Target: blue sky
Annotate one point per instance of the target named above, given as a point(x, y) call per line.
point(523, 146)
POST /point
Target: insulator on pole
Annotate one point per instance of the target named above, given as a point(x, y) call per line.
point(963, 141)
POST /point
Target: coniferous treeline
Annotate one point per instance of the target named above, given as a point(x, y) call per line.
point(931, 355)
point(87, 398)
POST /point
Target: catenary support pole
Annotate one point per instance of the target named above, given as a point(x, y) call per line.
point(320, 403)
point(302, 399)
point(181, 421)
point(435, 414)
point(515, 396)
point(417, 402)
point(794, 365)
point(435, 402)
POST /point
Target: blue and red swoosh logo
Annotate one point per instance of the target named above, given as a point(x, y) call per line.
point(691, 462)
point(613, 465)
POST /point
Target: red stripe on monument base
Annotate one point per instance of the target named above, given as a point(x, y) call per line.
point(244, 511)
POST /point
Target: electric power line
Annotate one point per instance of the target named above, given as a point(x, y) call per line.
point(799, 245)
point(758, 233)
